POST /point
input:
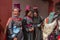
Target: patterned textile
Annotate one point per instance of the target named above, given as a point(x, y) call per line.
point(48, 28)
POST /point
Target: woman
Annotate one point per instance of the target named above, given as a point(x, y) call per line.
point(37, 20)
point(14, 26)
point(51, 18)
point(27, 24)
point(49, 25)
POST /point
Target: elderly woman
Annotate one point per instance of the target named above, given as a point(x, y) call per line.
point(14, 26)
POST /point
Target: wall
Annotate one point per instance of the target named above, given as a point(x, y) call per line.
point(43, 6)
point(5, 13)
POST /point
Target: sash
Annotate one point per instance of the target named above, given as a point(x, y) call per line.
point(15, 31)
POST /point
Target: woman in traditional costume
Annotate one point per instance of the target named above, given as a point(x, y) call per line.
point(14, 26)
point(49, 26)
point(27, 24)
point(37, 21)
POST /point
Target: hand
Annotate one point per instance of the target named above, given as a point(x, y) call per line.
point(21, 28)
point(15, 38)
point(30, 30)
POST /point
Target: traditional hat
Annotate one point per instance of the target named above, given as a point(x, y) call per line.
point(35, 7)
point(51, 16)
point(17, 6)
point(27, 7)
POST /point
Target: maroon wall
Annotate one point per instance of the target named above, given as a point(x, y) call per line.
point(5, 12)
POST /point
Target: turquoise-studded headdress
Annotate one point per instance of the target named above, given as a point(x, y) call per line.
point(51, 16)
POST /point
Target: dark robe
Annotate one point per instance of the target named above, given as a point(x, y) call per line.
point(27, 24)
point(38, 30)
point(10, 29)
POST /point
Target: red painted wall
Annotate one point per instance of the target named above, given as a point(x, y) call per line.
point(52, 5)
point(5, 13)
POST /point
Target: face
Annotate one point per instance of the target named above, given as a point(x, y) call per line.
point(35, 14)
point(30, 14)
point(16, 12)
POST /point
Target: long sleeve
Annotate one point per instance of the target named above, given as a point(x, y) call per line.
point(8, 23)
point(9, 28)
point(24, 24)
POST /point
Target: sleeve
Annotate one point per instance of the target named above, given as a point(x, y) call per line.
point(9, 26)
point(8, 21)
point(41, 19)
point(24, 25)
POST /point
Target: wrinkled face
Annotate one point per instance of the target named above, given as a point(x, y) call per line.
point(16, 12)
point(30, 14)
point(35, 14)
